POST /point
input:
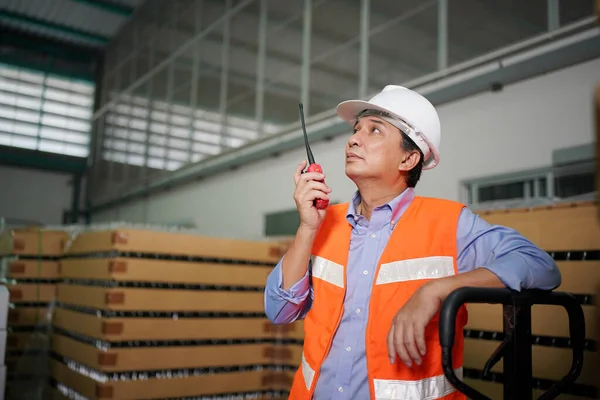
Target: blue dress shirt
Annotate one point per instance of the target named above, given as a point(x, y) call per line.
point(515, 260)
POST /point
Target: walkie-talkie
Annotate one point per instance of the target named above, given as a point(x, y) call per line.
point(320, 204)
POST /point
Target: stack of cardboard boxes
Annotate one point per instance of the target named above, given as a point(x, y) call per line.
point(145, 313)
point(571, 234)
point(30, 264)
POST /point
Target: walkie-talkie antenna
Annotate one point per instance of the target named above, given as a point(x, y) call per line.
point(311, 158)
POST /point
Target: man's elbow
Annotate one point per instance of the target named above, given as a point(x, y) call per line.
point(551, 277)
point(273, 317)
point(555, 276)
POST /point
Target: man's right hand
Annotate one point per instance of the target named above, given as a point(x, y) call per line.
point(309, 187)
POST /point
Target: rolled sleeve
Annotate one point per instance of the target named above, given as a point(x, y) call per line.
point(517, 262)
point(285, 306)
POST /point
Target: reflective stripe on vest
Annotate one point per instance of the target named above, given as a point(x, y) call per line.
point(307, 372)
point(394, 272)
point(328, 271)
point(428, 388)
point(414, 269)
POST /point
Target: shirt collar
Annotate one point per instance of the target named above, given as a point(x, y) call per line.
point(397, 206)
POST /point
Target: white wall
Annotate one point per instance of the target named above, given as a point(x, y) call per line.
point(34, 195)
point(489, 133)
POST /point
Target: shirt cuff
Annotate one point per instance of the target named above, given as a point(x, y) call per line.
point(297, 294)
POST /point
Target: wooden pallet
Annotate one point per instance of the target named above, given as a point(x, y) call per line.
point(92, 387)
point(132, 328)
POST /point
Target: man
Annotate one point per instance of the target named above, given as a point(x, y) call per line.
point(369, 276)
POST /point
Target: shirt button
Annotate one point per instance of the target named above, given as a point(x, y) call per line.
point(348, 348)
point(340, 389)
point(373, 236)
point(365, 272)
point(357, 310)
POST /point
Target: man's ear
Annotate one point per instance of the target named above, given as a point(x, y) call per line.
point(409, 161)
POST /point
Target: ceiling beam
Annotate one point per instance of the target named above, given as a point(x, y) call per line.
point(108, 6)
point(12, 17)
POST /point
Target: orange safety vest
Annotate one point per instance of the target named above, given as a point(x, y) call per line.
point(422, 247)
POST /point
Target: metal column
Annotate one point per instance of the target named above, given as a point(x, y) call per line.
point(225, 70)
point(363, 83)
point(306, 53)
point(263, 26)
point(195, 78)
point(442, 60)
point(518, 380)
point(553, 15)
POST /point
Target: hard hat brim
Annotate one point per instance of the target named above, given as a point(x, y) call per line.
point(350, 109)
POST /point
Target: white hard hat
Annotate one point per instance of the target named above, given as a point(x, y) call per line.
point(409, 111)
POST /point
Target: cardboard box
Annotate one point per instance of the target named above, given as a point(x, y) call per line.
point(33, 242)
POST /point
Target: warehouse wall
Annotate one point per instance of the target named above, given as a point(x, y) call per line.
point(490, 133)
point(34, 195)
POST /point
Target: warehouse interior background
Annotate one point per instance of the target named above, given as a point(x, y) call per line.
point(184, 113)
point(175, 112)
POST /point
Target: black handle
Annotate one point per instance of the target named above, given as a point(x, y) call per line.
point(577, 337)
point(447, 328)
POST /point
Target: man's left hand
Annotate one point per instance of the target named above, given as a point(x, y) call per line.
point(406, 337)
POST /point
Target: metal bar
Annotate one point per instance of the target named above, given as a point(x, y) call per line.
point(553, 15)
point(536, 188)
point(363, 81)
point(263, 28)
point(181, 50)
point(550, 185)
point(226, 46)
point(95, 158)
point(306, 53)
point(65, 30)
point(109, 6)
point(195, 77)
point(133, 74)
point(150, 106)
point(442, 52)
point(517, 363)
point(169, 99)
point(75, 199)
point(108, 170)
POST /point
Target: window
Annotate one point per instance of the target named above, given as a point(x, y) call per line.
point(162, 136)
point(530, 188)
point(46, 112)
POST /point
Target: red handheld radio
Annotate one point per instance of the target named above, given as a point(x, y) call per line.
point(320, 204)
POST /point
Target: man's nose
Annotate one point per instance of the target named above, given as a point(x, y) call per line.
point(354, 140)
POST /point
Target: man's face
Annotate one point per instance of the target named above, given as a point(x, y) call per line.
point(374, 151)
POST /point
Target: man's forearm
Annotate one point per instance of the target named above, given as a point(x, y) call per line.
point(295, 262)
point(480, 277)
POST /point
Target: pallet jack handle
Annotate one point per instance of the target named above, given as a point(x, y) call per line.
point(512, 301)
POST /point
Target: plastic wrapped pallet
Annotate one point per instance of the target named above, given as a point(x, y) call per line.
point(146, 314)
point(29, 260)
point(571, 234)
